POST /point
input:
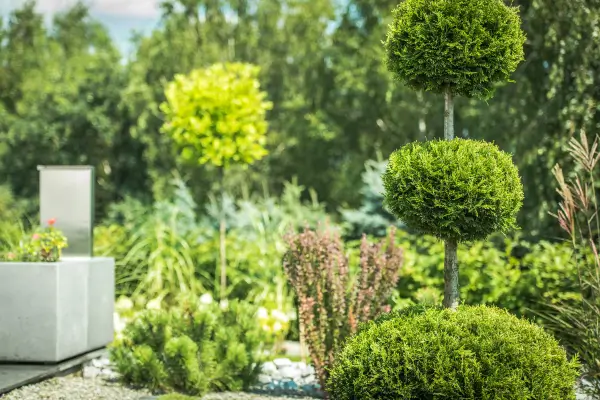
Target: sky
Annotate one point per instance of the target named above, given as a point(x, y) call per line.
point(121, 17)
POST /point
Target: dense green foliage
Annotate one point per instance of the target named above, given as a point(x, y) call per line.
point(459, 190)
point(192, 348)
point(68, 96)
point(516, 275)
point(473, 353)
point(371, 218)
point(171, 247)
point(464, 46)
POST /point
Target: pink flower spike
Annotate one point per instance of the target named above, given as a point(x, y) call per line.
point(35, 236)
point(51, 221)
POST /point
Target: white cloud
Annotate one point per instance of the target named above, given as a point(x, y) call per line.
point(117, 8)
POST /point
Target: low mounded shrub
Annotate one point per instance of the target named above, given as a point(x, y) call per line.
point(458, 190)
point(473, 353)
point(192, 349)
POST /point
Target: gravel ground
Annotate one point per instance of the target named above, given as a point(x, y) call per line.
point(74, 388)
point(77, 388)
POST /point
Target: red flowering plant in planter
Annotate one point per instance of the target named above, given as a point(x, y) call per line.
point(44, 245)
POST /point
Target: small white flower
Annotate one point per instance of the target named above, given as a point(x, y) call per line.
point(206, 298)
point(224, 303)
point(153, 304)
point(118, 323)
point(279, 315)
point(262, 313)
point(277, 326)
point(124, 303)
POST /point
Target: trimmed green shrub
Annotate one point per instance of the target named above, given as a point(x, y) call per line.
point(192, 349)
point(464, 46)
point(459, 190)
point(468, 354)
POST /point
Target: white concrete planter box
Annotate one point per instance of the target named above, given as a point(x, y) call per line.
point(50, 312)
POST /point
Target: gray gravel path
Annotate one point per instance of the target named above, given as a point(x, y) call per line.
point(74, 388)
point(77, 388)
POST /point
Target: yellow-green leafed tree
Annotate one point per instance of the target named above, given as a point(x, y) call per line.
point(217, 115)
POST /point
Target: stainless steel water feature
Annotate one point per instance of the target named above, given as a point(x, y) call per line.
point(67, 195)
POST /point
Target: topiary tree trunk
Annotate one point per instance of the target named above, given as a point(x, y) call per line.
point(451, 288)
point(454, 48)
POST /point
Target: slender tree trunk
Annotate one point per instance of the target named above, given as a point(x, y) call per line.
point(451, 289)
point(448, 115)
point(222, 238)
point(451, 293)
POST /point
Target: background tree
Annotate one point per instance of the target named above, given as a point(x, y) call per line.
point(217, 116)
point(335, 104)
point(462, 47)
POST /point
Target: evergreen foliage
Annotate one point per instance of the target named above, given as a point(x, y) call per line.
point(473, 353)
point(192, 349)
point(371, 218)
point(466, 46)
point(460, 190)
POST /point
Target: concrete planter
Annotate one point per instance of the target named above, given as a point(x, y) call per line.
point(50, 312)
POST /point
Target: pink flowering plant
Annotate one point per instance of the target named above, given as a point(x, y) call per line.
point(44, 245)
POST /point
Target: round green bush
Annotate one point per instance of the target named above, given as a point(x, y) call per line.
point(460, 190)
point(474, 353)
point(464, 45)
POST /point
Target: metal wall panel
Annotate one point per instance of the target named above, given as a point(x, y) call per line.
point(67, 194)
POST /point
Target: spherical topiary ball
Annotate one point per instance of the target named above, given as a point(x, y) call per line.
point(460, 190)
point(462, 45)
point(473, 353)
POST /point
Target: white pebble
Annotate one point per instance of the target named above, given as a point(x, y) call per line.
point(282, 362)
point(269, 367)
point(91, 372)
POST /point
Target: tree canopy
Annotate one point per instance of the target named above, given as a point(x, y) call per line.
point(68, 96)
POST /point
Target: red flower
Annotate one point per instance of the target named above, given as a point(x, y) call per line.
point(51, 221)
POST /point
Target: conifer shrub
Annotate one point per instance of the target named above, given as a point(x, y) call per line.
point(461, 46)
point(473, 353)
point(192, 349)
point(459, 190)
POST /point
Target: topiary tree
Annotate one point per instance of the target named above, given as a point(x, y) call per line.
point(454, 190)
point(473, 353)
point(217, 116)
